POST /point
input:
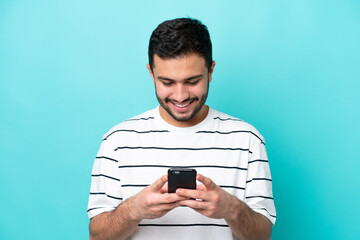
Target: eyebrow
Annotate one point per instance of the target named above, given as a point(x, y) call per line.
point(186, 79)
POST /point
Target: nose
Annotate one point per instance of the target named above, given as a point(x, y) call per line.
point(181, 93)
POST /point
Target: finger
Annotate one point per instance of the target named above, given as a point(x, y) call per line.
point(195, 194)
point(201, 187)
point(161, 210)
point(168, 207)
point(159, 183)
point(164, 188)
point(168, 198)
point(195, 204)
point(209, 184)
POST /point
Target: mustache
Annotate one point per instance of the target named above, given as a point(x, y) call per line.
point(186, 100)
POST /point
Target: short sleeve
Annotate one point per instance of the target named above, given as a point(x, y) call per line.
point(105, 191)
point(258, 190)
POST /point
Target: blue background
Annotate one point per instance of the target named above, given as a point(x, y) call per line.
point(70, 70)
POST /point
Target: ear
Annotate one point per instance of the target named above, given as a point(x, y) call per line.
point(211, 70)
point(151, 72)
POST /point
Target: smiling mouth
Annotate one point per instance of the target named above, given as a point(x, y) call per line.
point(182, 105)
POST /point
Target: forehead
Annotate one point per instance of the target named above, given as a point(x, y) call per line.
point(184, 65)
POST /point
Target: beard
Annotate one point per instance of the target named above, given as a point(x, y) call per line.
point(186, 117)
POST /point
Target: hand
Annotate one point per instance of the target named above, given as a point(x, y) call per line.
point(212, 201)
point(154, 201)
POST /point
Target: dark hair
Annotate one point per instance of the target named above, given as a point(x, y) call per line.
point(178, 37)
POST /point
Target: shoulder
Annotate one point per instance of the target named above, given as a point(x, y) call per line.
point(138, 123)
point(227, 123)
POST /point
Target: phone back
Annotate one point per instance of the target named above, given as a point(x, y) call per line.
point(181, 178)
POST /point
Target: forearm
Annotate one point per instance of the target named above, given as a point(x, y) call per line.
point(248, 224)
point(117, 224)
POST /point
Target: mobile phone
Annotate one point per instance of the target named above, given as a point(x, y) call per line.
point(181, 178)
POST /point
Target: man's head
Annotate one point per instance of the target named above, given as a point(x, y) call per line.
point(180, 37)
point(181, 66)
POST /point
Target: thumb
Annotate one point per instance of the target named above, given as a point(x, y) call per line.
point(159, 183)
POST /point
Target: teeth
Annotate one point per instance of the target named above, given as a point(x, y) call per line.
point(181, 106)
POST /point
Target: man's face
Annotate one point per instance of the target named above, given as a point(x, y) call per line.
point(182, 86)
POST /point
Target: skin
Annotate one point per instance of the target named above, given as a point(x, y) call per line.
point(151, 202)
point(182, 81)
point(182, 86)
point(217, 203)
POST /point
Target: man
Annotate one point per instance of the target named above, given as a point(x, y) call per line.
point(128, 196)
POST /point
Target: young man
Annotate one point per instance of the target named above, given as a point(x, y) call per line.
point(128, 196)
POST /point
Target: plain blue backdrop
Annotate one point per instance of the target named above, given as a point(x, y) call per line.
point(70, 70)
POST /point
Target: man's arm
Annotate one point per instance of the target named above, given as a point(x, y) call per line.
point(116, 224)
point(149, 203)
point(217, 203)
point(245, 223)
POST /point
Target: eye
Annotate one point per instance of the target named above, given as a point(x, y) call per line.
point(193, 82)
point(167, 83)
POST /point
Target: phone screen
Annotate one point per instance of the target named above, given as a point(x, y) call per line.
point(181, 178)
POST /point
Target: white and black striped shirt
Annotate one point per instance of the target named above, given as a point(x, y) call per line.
point(136, 152)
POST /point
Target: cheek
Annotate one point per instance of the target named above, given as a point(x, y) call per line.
point(162, 92)
point(200, 90)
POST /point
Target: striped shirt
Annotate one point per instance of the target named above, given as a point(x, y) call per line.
point(136, 152)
